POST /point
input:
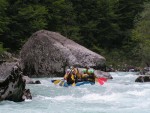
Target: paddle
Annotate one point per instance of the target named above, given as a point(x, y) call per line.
point(56, 81)
point(101, 81)
point(74, 84)
point(61, 82)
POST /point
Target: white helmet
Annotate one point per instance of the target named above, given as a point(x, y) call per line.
point(68, 70)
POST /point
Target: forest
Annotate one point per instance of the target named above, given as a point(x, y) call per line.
point(115, 29)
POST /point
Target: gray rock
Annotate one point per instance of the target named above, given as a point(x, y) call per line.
point(147, 73)
point(49, 53)
point(145, 78)
point(26, 94)
point(99, 73)
point(12, 86)
point(30, 81)
point(7, 57)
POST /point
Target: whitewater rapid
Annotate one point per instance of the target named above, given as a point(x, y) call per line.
point(120, 95)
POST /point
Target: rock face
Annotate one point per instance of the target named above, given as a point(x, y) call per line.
point(49, 53)
point(12, 86)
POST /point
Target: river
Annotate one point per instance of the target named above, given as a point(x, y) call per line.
point(120, 95)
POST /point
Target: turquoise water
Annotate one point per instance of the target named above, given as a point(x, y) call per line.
point(120, 95)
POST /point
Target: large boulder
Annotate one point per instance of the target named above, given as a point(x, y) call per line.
point(12, 86)
point(49, 53)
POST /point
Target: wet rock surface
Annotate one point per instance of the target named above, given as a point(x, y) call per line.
point(12, 86)
point(145, 78)
point(30, 81)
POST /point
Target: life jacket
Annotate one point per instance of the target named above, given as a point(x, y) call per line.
point(77, 75)
point(70, 78)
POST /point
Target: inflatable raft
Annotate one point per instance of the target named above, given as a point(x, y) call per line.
point(64, 83)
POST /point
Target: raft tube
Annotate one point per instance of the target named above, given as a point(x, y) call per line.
point(64, 84)
point(78, 83)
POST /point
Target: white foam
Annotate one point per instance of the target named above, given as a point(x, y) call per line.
point(56, 98)
point(143, 104)
point(98, 97)
point(63, 98)
point(87, 97)
point(137, 93)
point(40, 97)
point(124, 74)
point(28, 100)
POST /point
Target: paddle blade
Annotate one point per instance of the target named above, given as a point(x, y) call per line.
point(61, 83)
point(56, 81)
point(101, 81)
point(74, 84)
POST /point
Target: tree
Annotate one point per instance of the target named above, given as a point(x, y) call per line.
point(128, 10)
point(141, 36)
point(25, 19)
point(4, 20)
point(98, 23)
point(108, 34)
point(62, 18)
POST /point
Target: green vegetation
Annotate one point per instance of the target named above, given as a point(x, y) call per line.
point(2, 49)
point(141, 35)
point(116, 29)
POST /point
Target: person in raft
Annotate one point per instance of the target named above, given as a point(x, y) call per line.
point(69, 76)
point(88, 74)
point(72, 76)
point(77, 75)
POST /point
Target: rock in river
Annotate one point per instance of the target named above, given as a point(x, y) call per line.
point(12, 86)
point(49, 53)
